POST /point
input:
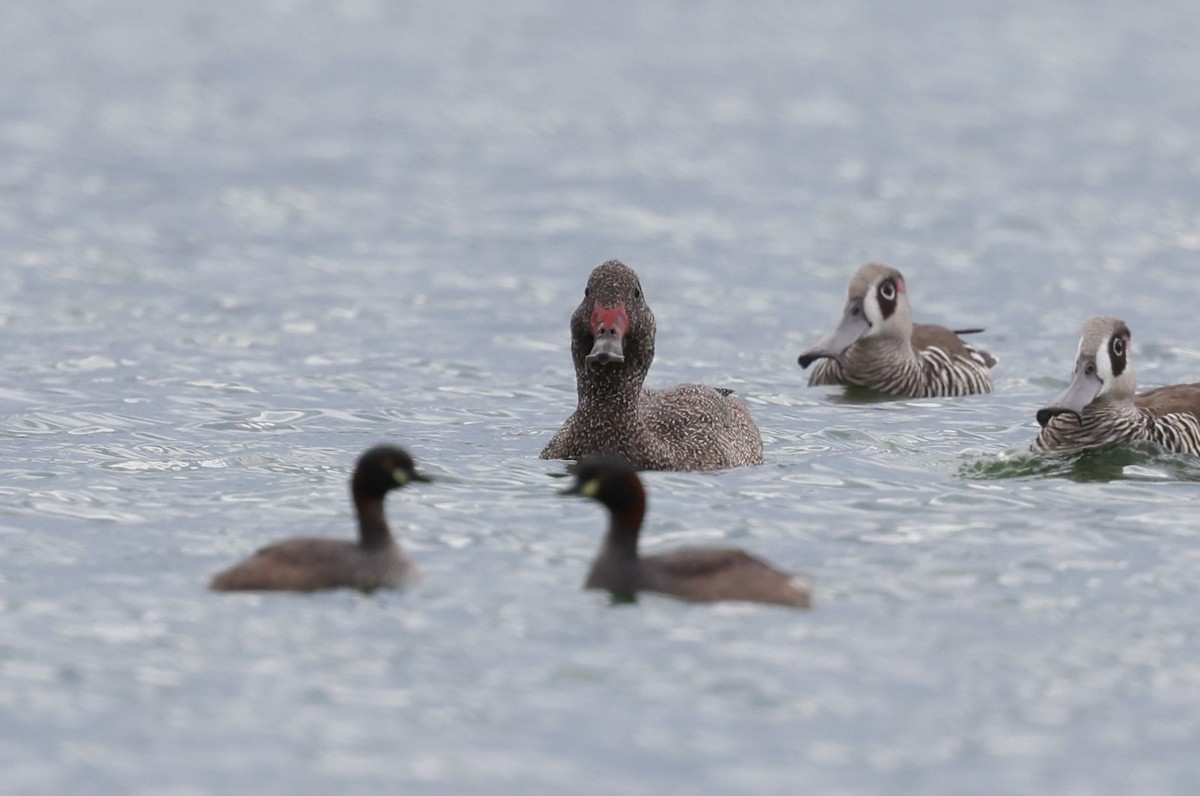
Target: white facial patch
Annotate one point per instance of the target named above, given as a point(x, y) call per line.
point(1104, 368)
point(872, 311)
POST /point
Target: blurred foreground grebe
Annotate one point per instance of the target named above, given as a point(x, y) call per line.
point(698, 574)
point(375, 561)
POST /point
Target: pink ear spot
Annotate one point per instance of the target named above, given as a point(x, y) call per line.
point(899, 284)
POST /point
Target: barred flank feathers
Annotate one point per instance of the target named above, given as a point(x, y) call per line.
point(931, 373)
point(1118, 422)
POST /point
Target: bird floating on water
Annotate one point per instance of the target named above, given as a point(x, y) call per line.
point(698, 574)
point(876, 345)
point(375, 561)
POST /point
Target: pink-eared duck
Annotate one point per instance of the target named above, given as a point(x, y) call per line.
point(1099, 408)
point(876, 345)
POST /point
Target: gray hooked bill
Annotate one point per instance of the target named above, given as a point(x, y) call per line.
point(833, 345)
point(1084, 387)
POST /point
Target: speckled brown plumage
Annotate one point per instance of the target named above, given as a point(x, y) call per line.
point(701, 574)
point(310, 564)
point(687, 427)
point(1099, 408)
point(877, 345)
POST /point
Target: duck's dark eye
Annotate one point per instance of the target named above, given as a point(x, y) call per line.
point(637, 292)
point(587, 291)
point(887, 290)
point(1090, 369)
point(1118, 347)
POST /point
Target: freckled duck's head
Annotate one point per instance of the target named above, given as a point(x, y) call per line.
point(876, 306)
point(612, 327)
point(382, 469)
point(1103, 370)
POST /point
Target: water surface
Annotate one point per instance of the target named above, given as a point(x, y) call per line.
point(240, 245)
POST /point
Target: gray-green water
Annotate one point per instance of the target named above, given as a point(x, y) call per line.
point(239, 245)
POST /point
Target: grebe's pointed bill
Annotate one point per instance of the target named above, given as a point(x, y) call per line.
point(404, 477)
point(854, 325)
point(589, 487)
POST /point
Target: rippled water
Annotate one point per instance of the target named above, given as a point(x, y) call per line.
point(239, 245)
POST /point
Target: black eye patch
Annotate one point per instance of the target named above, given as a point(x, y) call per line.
point(886, 294)
point(1117, 353)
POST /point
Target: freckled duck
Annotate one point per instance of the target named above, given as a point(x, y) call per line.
point(697, 574)
point(878, 346)
point(1099, 408)
point(310, 564)
point(687, 427)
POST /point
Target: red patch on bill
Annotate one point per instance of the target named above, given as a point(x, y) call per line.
point(613, 320)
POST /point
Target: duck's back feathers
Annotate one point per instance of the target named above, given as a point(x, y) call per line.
point(700, 428)
point(686, 427)
point(1175, 416)
point(929, 335)
point(1171, 400)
